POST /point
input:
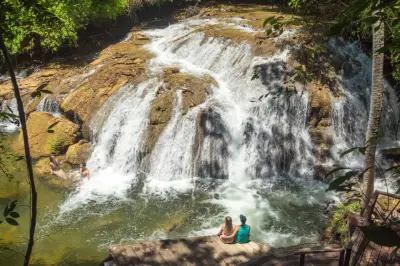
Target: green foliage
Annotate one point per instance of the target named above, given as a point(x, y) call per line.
point(48, 24)
point(355, 19)
point(10, 215)
point(338, 222)
point(57, 144)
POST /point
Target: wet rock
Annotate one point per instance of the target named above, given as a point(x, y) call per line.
point(48, 135)
point(171, 70)
point(194, 92)
point(118, 65)
point(138, 61)
point(141, 36)
point(260, 35)
point(319, 118)
point(79, 152)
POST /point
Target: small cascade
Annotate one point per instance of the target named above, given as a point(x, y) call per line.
point(350, 109)
point(171, 162)
point(118, 148)
point(49, 105)
point(10, 108)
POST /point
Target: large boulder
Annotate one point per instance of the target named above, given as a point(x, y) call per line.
point(319, 118)
point(79, 152)
point(194, 92)
point(116, 66)
point(48, 135)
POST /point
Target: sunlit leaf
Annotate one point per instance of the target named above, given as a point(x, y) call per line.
point(11, 221)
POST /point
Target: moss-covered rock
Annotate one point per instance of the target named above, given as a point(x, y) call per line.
point(319, 118)
point(79, 152)
point(194, 92)
point(48, 135)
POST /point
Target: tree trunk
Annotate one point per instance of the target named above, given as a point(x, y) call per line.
point(376, 104)
point(28, 158)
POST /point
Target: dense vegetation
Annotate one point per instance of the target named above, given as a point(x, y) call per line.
point(30, 26)
point(353, 19)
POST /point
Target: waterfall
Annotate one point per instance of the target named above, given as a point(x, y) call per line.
point(350, 112)
point(49, 105)
point(10, 108)
point(248, 144)
point(171, 162)
point(118, 148)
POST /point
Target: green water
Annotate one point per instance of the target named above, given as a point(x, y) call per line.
point(81, 236)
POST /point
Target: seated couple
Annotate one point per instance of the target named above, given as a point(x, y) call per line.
point(230, 233)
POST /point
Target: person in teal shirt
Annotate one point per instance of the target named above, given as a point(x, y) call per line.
point(242, 231)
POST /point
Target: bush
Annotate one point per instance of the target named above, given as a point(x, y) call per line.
point(338, 223)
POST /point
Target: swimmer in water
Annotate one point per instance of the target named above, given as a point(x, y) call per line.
point(83, 171)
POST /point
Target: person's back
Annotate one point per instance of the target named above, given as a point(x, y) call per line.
point(243, 234)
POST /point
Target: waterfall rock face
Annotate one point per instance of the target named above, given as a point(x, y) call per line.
point(48, 135)
point(190, 122)
point(79, 152)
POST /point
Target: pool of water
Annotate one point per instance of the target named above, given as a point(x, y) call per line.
point(283, 212)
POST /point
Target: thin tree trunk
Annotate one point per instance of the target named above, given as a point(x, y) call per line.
point(376, 104)
point(28, 159)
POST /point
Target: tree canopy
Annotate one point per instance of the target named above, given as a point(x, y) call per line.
point(49, 24)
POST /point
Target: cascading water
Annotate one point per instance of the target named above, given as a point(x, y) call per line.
point(49, 105)
point(247, 153)
point(9, 125)
point(246, 149)
point(350, 114)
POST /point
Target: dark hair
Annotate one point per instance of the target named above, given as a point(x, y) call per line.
point(243, 219)
point(83, 164)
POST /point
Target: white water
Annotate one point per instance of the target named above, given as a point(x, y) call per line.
point(115, 159)
point(49, 105)
point(11, 108)
point(255, 144)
